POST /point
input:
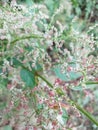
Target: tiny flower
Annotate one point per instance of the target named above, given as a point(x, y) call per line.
point(69, 68)
point(58, 81)
point(60, 112)
point(54, 123)
point(51, 93)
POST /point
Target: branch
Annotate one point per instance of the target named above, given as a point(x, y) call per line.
point(87, 114)
point(26, 37)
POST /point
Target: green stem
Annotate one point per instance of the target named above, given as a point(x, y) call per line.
point(87, 114)
point(91, 82)
point(44, 79)
point(25, 37)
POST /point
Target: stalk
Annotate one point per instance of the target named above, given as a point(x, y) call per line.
point(25, 37)
point(82, 110)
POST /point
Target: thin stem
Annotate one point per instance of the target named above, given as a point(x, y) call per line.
point(25, 37)
point(87, 114)
point(44, 79)
point(91, 82)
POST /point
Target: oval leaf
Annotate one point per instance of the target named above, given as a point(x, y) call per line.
point(80, 88)
point(28, 77)
point(67, 76)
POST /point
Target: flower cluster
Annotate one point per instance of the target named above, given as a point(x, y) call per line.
point(31, 48)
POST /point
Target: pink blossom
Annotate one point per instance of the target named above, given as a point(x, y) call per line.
point(10, 86)
point(96, 79)
point(51, 93)
point(69, 68)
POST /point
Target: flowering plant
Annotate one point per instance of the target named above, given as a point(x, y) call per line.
point(40, 62)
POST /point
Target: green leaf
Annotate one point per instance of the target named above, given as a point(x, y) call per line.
point(28, 77)
point(40, 26)
point(0, 71)
point(80, 88)
point(7, 127)
point(64, 115)
point(67, 76)
point(16, 62)
point(52, 5)
point(29, 2)
point(3, 82)
point(29, 48)
point(2, 105)
point(40, 107)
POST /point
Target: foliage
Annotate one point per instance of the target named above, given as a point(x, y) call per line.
point(86, 9)
point(36, 44)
